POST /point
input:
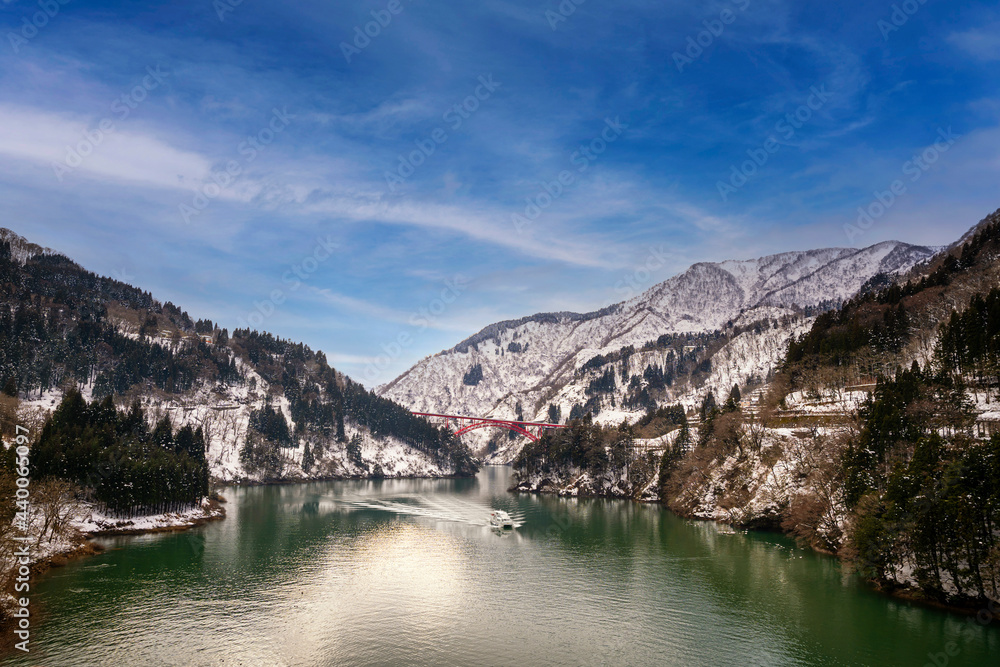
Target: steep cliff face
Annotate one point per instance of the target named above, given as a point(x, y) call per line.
point(538, 361)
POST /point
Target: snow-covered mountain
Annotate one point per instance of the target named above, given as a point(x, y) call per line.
point(63, 327)
point(224, 413)
point(539, 360)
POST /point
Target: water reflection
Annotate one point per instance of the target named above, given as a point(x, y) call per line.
point(410, 572)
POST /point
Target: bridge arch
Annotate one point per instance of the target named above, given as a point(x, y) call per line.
point(522, 427)
point(506, 425)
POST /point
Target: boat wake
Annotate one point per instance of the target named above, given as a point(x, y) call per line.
point(454, 510)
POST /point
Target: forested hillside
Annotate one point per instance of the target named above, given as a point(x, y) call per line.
point(713, 325)
point(878, 438)
point(116, 457)
point(266, 408)
point(921, 472)
point(890, 323)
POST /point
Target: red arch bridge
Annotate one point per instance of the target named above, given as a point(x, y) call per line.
point(533, 430)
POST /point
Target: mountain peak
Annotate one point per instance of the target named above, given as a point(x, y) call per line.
point(537, 359)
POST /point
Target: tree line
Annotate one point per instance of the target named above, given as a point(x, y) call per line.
point(921, 483)
point(119, 460)
point(924, 492)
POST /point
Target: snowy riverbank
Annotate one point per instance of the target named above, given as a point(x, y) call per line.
point(85, 520)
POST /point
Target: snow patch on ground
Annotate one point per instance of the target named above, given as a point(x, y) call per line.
point(88, 520)
point(91, 521)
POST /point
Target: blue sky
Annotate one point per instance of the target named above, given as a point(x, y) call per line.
point(565, 146)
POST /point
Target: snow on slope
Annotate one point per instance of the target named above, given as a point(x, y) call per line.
point(21, 248)
point(533, 361)
point(223, 412)
point(842, 278)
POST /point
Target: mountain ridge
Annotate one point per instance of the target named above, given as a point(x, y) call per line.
point(494, 328)
point(270, 409)
point(530, 361)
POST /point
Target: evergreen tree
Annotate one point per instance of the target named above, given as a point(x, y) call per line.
point(474, 375)
point(555, 414)
point(272, 425)
point(120, 463)
point(307, 458)
point(354, 452)
point(733, 402)
point(708, 407)
point(163, 433)
point(683, 441)
point(672, 455)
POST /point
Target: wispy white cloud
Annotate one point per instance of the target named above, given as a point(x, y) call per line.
point(656, 186)
point(981, 42)
point(386, 114)
point(361, 306)
point(473, 222)
point(74, 146)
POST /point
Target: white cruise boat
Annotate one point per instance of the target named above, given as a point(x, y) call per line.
point(500, 519)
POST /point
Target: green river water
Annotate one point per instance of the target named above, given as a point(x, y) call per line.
point(407, 572)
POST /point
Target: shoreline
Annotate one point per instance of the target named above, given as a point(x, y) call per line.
point(329, 478)
point(212, 510)
point(81, 549)
point(901, 593)
point(82, 545)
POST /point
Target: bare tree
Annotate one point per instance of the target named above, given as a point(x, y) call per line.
point(56, 500)
point(756, 425)
point(7, 527)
